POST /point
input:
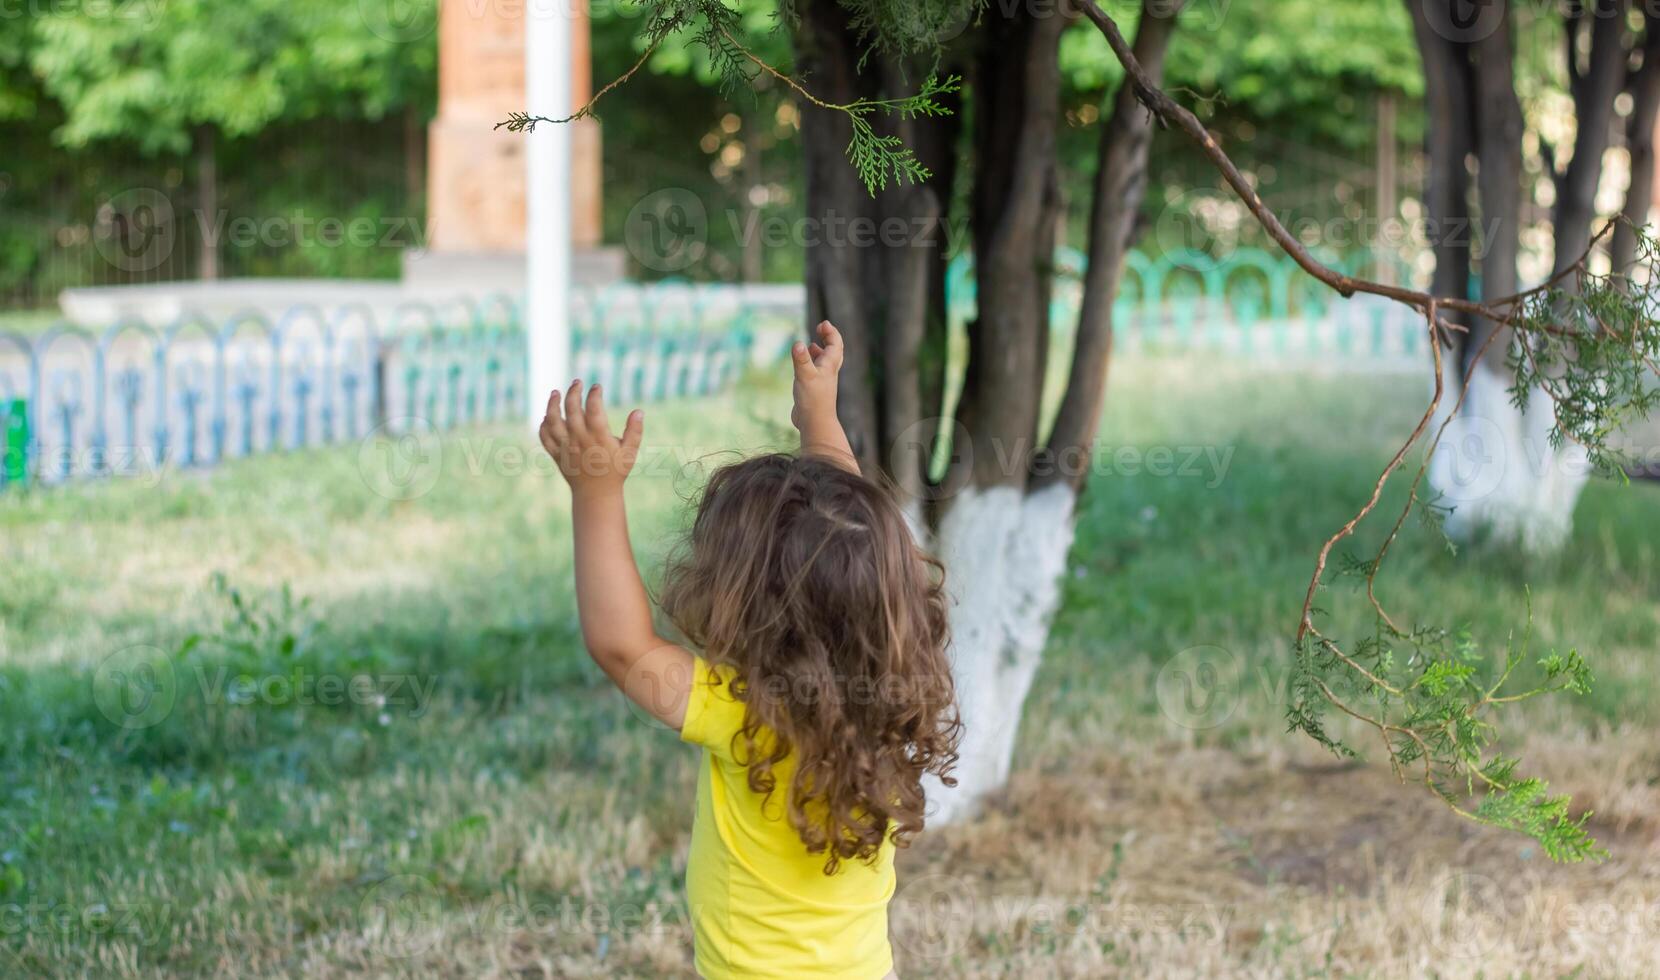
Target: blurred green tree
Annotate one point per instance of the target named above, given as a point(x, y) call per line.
point(176, 76)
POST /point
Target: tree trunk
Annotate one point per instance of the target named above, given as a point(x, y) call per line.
point(414, 161)
point(860, 272)
point(1003, 530)
point(1496, 468)
point(1594, 88)
point(207, 203)
point(1451, 123)
point(1120, 186)
point(1004, 549)
point(1644, 85)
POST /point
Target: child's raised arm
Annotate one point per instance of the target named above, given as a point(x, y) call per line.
point(611, 599)
point(817, 368)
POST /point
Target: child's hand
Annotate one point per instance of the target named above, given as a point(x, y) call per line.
point(814, 415)
point(580, 441)
point(816, 369)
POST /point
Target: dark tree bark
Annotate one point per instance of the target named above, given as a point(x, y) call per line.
point(207, 202)
point(1015, 206)
point(1471, 89)
point(1120, 186)
point(1499, 182)
point(414, 158)
point(1447, 95)
point(861, 273)
point(1601, 27)
point(1644, 86)
point(1005, 526)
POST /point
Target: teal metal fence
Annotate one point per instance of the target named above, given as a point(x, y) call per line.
point(137, 398)
point(194, 392)
point(1246, 303)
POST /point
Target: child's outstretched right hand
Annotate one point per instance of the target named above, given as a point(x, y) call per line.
point(579, 439)
point(817, 367)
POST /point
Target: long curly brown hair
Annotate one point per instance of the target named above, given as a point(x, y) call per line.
point(804, 579)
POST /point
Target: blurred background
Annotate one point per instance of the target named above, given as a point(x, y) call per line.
point(290, 677)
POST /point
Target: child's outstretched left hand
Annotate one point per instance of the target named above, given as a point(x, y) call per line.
point(580, 441)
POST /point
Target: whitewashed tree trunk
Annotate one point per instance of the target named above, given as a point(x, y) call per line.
point(1005, 551)
point(1497, 471)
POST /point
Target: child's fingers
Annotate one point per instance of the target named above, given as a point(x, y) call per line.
point(816, 351)
point(634, 430)
point(573, 410)
point(830, 339)
point(553, 426)
point(829, 336)
point(595, 419)
point(802, 359)
point(551, 443)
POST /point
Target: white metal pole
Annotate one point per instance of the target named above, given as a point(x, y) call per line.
point(548, 200)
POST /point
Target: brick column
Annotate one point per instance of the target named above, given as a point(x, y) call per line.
point(476, 173)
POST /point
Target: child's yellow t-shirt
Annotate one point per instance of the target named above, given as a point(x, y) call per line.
point(761, 905)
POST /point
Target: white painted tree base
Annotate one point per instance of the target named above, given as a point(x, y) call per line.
point(1004, 552)
point(1496, 468)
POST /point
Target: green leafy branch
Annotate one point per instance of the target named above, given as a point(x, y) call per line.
point(878, 158)
point(1599, 372)
point(1589, 342)
point(1425, 694)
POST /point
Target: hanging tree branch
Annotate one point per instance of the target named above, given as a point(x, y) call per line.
point(877, 158)
point(1590, 346)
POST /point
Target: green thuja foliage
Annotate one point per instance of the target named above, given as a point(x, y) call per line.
point(1589, 343)
point(715, 27)
point(1591, 347)
point(1431, 700)
point(877, 157)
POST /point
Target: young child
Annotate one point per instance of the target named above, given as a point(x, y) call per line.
point(820, 691)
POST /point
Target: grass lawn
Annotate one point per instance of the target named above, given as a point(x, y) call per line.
point(28, 322)
point(372, 744)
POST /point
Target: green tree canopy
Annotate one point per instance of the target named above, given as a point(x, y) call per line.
point(1305, 63)
point(152, 73)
